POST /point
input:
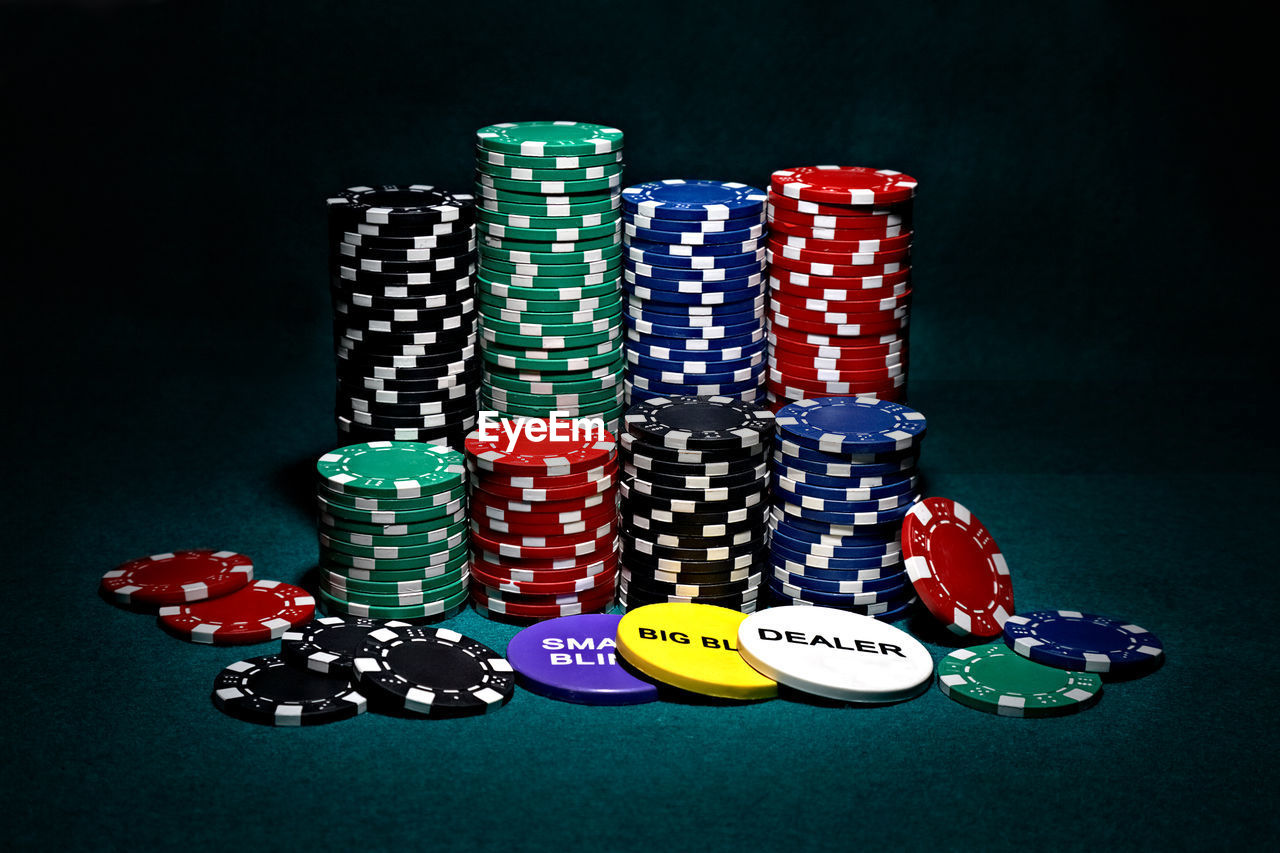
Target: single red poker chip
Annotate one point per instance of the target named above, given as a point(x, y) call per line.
point(895, 214)
point(839, 362)
point(825, 346)
point(818, 255)
point(848, 330)
point(537, 524)
point(856, 245)
point(521, 572)
point(843, 184)
point(600, 545)
point(817, 291)
point(815, 373)
point(956, 568)
point(843, 282)
point(546, 587)
point(551, 481)
point(842, 306)
point(547, 457)
point(261, 611)
point(809, 232)
point(551, 538)
point(550, 508)
point(175, 577)
point(582, 490)
point(841, 270)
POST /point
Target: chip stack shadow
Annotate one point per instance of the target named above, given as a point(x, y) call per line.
point(403, 261)
point(550, 250)
point(694, 273)
point(694, 501)
point(839, 283)
point(844, 477)
point(393, 530)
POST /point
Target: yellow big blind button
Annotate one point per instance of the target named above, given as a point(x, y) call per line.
point(693, 647)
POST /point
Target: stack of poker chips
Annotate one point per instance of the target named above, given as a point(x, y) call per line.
point(695, 501)
point(404, 314)
point(393, 530)
point(550, 244)
point(840, 282)
point(844, 478)
point(695, 281)
point(544, 532)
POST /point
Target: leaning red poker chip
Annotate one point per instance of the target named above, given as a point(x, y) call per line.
point(523, 454)
point(843, 184)
point(956, 568)
point(261, 611)
point(178, 576)
point(895, 214)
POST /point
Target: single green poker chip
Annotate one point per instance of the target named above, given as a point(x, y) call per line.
point(549, 138)
point(544, 366)
point(382, 469)
point(401, 598)
point(365, 525)
point(445, 607)
point(533, 205)
point(552, 187)
point(392, 552)
point(545, 276)
point(517, 220)
point(532, 197)
point(996, 679)
point(608, 249)
point(568, 161)
point(557, 344)
point(611, 394)
point(336, 582)
point(414, 573)
point(610, 347)
point(496, 234)
point(613, 238)
point(498, 312)
point(338, 536)
point(605, 378)
point(553, 330)
point(524, 174)
point(412, 509)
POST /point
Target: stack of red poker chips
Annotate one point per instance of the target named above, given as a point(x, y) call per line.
point(840, 283)
point(544, 518)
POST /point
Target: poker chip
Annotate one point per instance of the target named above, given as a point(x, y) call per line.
point(403, 259)
point(692, 647)
point(544, 533)
point(261, 611)
point(694, 271)
point(1083, 642)
point(431, 672)
point(835, 654)
point(385, 469)
point(270, 691)
point(995, 679)
point(957, 568)
point(839, 282)
point(175, 577)
point(691, 423)
point(574, 659)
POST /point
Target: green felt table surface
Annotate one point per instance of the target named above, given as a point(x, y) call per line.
point(1089, 345)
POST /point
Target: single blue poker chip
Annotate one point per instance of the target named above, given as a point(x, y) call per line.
point(690, 347)
point(791, 455)
point(808, 502)
point(823, 541)
point(890, 530)
point(727, 352)
point(694, 200)
point(864, 603)
point(1082, 642)
point(750, 373)
point(703, 368)
point(652, 247)
point(694, 321)
point(696, 238)
point(663, 260)
point(713, 332)
point(809, 571)
point(574, 659)
point(852, 425)
point(657, 302)
point(692, 389)
point(691, 226)
point(782, 549)
point(890, 586)
point(691, 299)
point(744, 278)
point(851, 519)
point(873, 486)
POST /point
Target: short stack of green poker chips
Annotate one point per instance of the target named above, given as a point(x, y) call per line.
point(548, 201)
point(393, 529)
point(995, 679)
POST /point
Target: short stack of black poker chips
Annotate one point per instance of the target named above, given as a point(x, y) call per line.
point(402, 271)
point(695, 501)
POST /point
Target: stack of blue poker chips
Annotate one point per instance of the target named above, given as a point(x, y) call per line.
point(694, 275)
point(844, 477)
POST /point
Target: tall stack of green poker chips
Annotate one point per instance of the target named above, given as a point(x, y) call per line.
point(393, 530)
point(549, 286)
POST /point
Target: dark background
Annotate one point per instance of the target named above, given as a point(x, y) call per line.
point(1091, 342)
